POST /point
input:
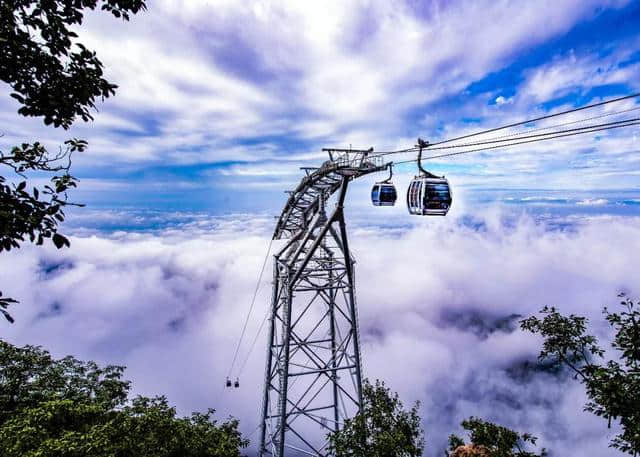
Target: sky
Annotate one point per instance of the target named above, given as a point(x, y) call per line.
point(219, 105)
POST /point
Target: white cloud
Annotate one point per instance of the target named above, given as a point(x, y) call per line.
point(197, 77)
point(564, 75)
point(501, 100)
point(274, 169)
point(169, 304)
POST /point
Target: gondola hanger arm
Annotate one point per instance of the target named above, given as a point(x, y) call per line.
point(390, 167)
point(422, 144)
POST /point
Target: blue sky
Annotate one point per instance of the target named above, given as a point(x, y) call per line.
point(220, 103)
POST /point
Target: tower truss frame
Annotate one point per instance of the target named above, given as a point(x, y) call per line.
point(313, 370)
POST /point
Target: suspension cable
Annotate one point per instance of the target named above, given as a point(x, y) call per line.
point(564, 124)
point(548, 116)
point(253, 343)
point(253, 301)
point(577, 129)
point(519, 142)
point(516, 124)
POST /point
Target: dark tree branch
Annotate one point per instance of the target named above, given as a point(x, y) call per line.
point(55, 77)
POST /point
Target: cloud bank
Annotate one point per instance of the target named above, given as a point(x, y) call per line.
point(170, 304)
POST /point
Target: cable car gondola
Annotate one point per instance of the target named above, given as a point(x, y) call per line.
point(428, 194)
point(384, 192)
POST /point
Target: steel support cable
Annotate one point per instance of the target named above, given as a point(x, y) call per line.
point(253, 343)
point(449, 154)
point(564, 124)
point(253, 301)
point(541, 118)
point(538, 135)
point(516, 124)
point(522, 136)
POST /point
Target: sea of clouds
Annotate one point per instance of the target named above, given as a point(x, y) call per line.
point(439, 303)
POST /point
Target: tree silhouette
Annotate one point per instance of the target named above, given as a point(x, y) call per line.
point(55, 77)
point(613, 387)
point(383, 428)
point(70, 408)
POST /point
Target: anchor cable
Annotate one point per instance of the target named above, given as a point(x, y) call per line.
point(253, 301)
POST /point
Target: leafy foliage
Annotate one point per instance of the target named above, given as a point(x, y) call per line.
point(4, 304)
point(71, 408)
point(613, 387)
point(491, 440)
point(55, 77)
point(35, 214)
point(382, 429)
point(51, 75)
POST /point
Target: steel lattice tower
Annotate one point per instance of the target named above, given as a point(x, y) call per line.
point(313, 373)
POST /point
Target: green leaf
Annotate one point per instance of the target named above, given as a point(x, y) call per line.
point(18, 97)
point(70, 408)
point(60, 241)
point(7, 316)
